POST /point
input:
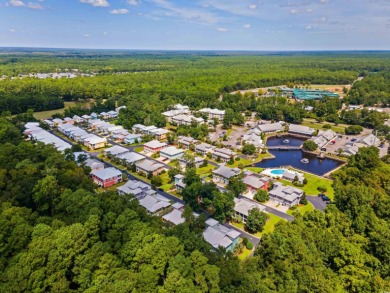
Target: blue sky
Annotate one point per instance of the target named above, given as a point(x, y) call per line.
point(197, 24)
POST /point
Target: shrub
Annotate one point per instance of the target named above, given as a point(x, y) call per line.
point(353, 129)
point(237, 159)
point(310, 145)
point(322, 188)
point(249, 245)
point(245, 240)
point(327, 126)
point(261, 195)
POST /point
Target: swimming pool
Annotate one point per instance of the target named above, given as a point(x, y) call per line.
point(277, 171)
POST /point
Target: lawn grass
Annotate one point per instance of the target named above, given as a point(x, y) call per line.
point(313, 182)
point(139, 149)
point(47, 114)
point(319, 125)
point(302, 209)
point(205, 170)
point(111, 188)
point(242, 161)
point(270, 225)
point(254, 169)
point(244, 254)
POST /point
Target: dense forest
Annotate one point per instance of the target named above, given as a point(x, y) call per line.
point(58, 235)
point(193, 79)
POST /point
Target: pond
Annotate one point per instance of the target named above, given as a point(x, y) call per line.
point(293, 157)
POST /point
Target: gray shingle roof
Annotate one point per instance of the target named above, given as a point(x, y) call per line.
point(107, 173)
point(243, 206)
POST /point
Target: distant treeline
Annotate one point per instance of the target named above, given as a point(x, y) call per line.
point(21, 103)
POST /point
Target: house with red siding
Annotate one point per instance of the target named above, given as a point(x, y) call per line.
point(254, 182)
point(154, 146)
point(107, 177)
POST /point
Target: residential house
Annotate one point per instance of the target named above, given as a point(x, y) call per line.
point(254, 182)
point(178, 109)
point(95, 165)
point(57, 121)
point(220, 236)
point(183, 119)
point(95, 142)
point(94, 115)
point(159, 133)
point(254, 139)
point(86, 117)
point(78, 119)
point(243, 206)
point(154, 146)
point(49, 122)
point(39, 135)
point(291, 176)
point(223, 174)
point(184, 162)
point(133, 138)
point(138, 128)
point(285, 195)
point(171, 153)
point(137, 188)
point(186, 141)
point(112, 114)
point(68, 120)
point(176, 215)
point(131, 158)
point(223, 154)
point(107, 177)
point(213, 113)
point(204, 148)
point(154, 203)
point(271, 127)
point(179, 183)
point(323, 137)
point(115, 151)
point(300, 130)
point(147, 166)
point(370, 140)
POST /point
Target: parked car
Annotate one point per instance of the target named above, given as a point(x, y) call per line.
point(325, 198)
point(160, 189)
point(353, 139)
point(323, 149)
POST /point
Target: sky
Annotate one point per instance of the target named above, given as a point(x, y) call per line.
point(261, 25)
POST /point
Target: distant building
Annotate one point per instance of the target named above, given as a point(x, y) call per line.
point(131, 157)
point(179, 183)
point(95, 142)
point(184, 119)
point(271, 127)
point(255, 182)
point(154, 203)
point(301, 130)
point(137, 188)
point(213, 113)
point(323, 137)
point(106, 177)
point(204, 148)
point(133, 138)
point(115, 151)
point(186, 142)
point(309, 94)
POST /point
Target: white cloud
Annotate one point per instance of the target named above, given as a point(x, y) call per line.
point(133, 2)
point(298, 11)
point(105, 33)
point(35, 5)
point(252, 6)
point(96, 3)
point(247, 26)
point(190, 14)
point(86, 35)
point(12, 30)
point(119, 11)
point(309, 27)
point(222, 29)
point(324, 1)
point(17, 3)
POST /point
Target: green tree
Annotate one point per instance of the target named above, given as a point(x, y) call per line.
point(256, 220)
point(156, 181)
point(261, 195)
point(310, 145)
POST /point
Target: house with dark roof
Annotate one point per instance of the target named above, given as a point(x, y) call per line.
point(106, 177)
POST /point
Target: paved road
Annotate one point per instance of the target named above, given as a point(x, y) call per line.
point(243, 234)
point(317, 202)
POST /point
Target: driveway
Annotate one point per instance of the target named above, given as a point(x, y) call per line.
point(317, 202)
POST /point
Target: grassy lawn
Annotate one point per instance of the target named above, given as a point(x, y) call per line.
point(48, 114)
point(205, 170)
point(270, 225)
point(302, 209)
point(319, 125)
point(242, 161)
point(254, 169)
point(139, 149)
point(268, 228)
point(313, 182)
point(244, 254)
point(111, 188)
